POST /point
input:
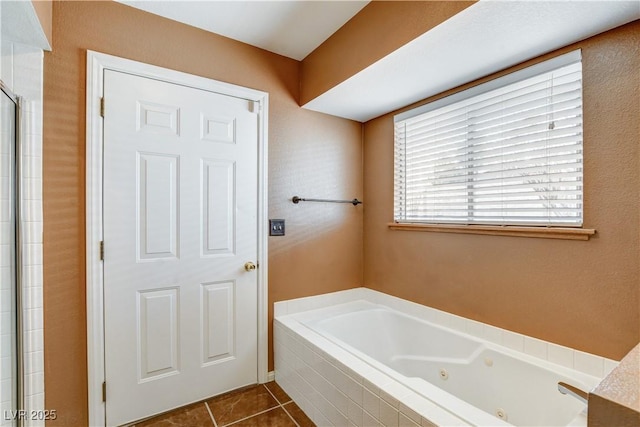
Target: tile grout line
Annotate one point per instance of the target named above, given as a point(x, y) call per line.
point(282, 405)
point(215, 424)
point(290, 416)
point(278, 405)
point(273, 395)
point(251, 416)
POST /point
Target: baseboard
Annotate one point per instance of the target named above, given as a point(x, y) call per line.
point(271, 375)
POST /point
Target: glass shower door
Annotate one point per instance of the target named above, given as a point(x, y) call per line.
point(9, 289)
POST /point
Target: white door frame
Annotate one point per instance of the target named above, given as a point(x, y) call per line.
point(97, 63)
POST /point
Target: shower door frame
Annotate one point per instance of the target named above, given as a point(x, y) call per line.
point(16, 248)
point(97, 63)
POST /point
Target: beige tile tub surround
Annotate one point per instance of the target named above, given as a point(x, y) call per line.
point(616, 400)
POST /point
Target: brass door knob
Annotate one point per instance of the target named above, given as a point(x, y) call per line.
point(249, 266)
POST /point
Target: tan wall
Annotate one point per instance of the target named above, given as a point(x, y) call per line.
point(579, 294)
point(310, 154)
point(378, 29)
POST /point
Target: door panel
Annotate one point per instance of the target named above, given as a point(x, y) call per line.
point(180, 221)
point(158, 332)
point(218, 324)
point(158, 118)
point(219, 129)
point(219, 206)
point(158, 205)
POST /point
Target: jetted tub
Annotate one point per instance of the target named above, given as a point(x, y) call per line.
point(475, 380)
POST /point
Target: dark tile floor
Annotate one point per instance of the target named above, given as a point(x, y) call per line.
point(258, 405)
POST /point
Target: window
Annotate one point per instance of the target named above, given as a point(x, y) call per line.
point(507, 152)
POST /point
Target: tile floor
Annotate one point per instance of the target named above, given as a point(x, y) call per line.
point(258, 405)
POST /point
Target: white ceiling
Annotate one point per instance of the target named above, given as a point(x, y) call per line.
point(290, 28)
point(484, 38)
point(19, 23)
point(488, 36)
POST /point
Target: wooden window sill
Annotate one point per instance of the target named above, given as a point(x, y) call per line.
point(498, 230)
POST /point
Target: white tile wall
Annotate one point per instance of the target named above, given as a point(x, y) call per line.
point(587, 363)
point(21, 69)
point(318, 379)
point(307, 373)
point(6, 310)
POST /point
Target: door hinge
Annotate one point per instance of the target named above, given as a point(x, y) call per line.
point(104, 391)
point(102, 250)
point(102, 107)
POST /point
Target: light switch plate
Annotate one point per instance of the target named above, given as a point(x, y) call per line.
point(276, 227)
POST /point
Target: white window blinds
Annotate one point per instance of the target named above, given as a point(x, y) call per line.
point(507, 152)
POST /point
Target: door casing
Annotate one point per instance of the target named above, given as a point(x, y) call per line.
point(97, 63)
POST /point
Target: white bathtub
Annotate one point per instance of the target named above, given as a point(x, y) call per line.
point(469, 380)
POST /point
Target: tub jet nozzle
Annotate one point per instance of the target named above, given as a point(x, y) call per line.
point(444, 374)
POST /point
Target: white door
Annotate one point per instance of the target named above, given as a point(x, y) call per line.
point(180, 222)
